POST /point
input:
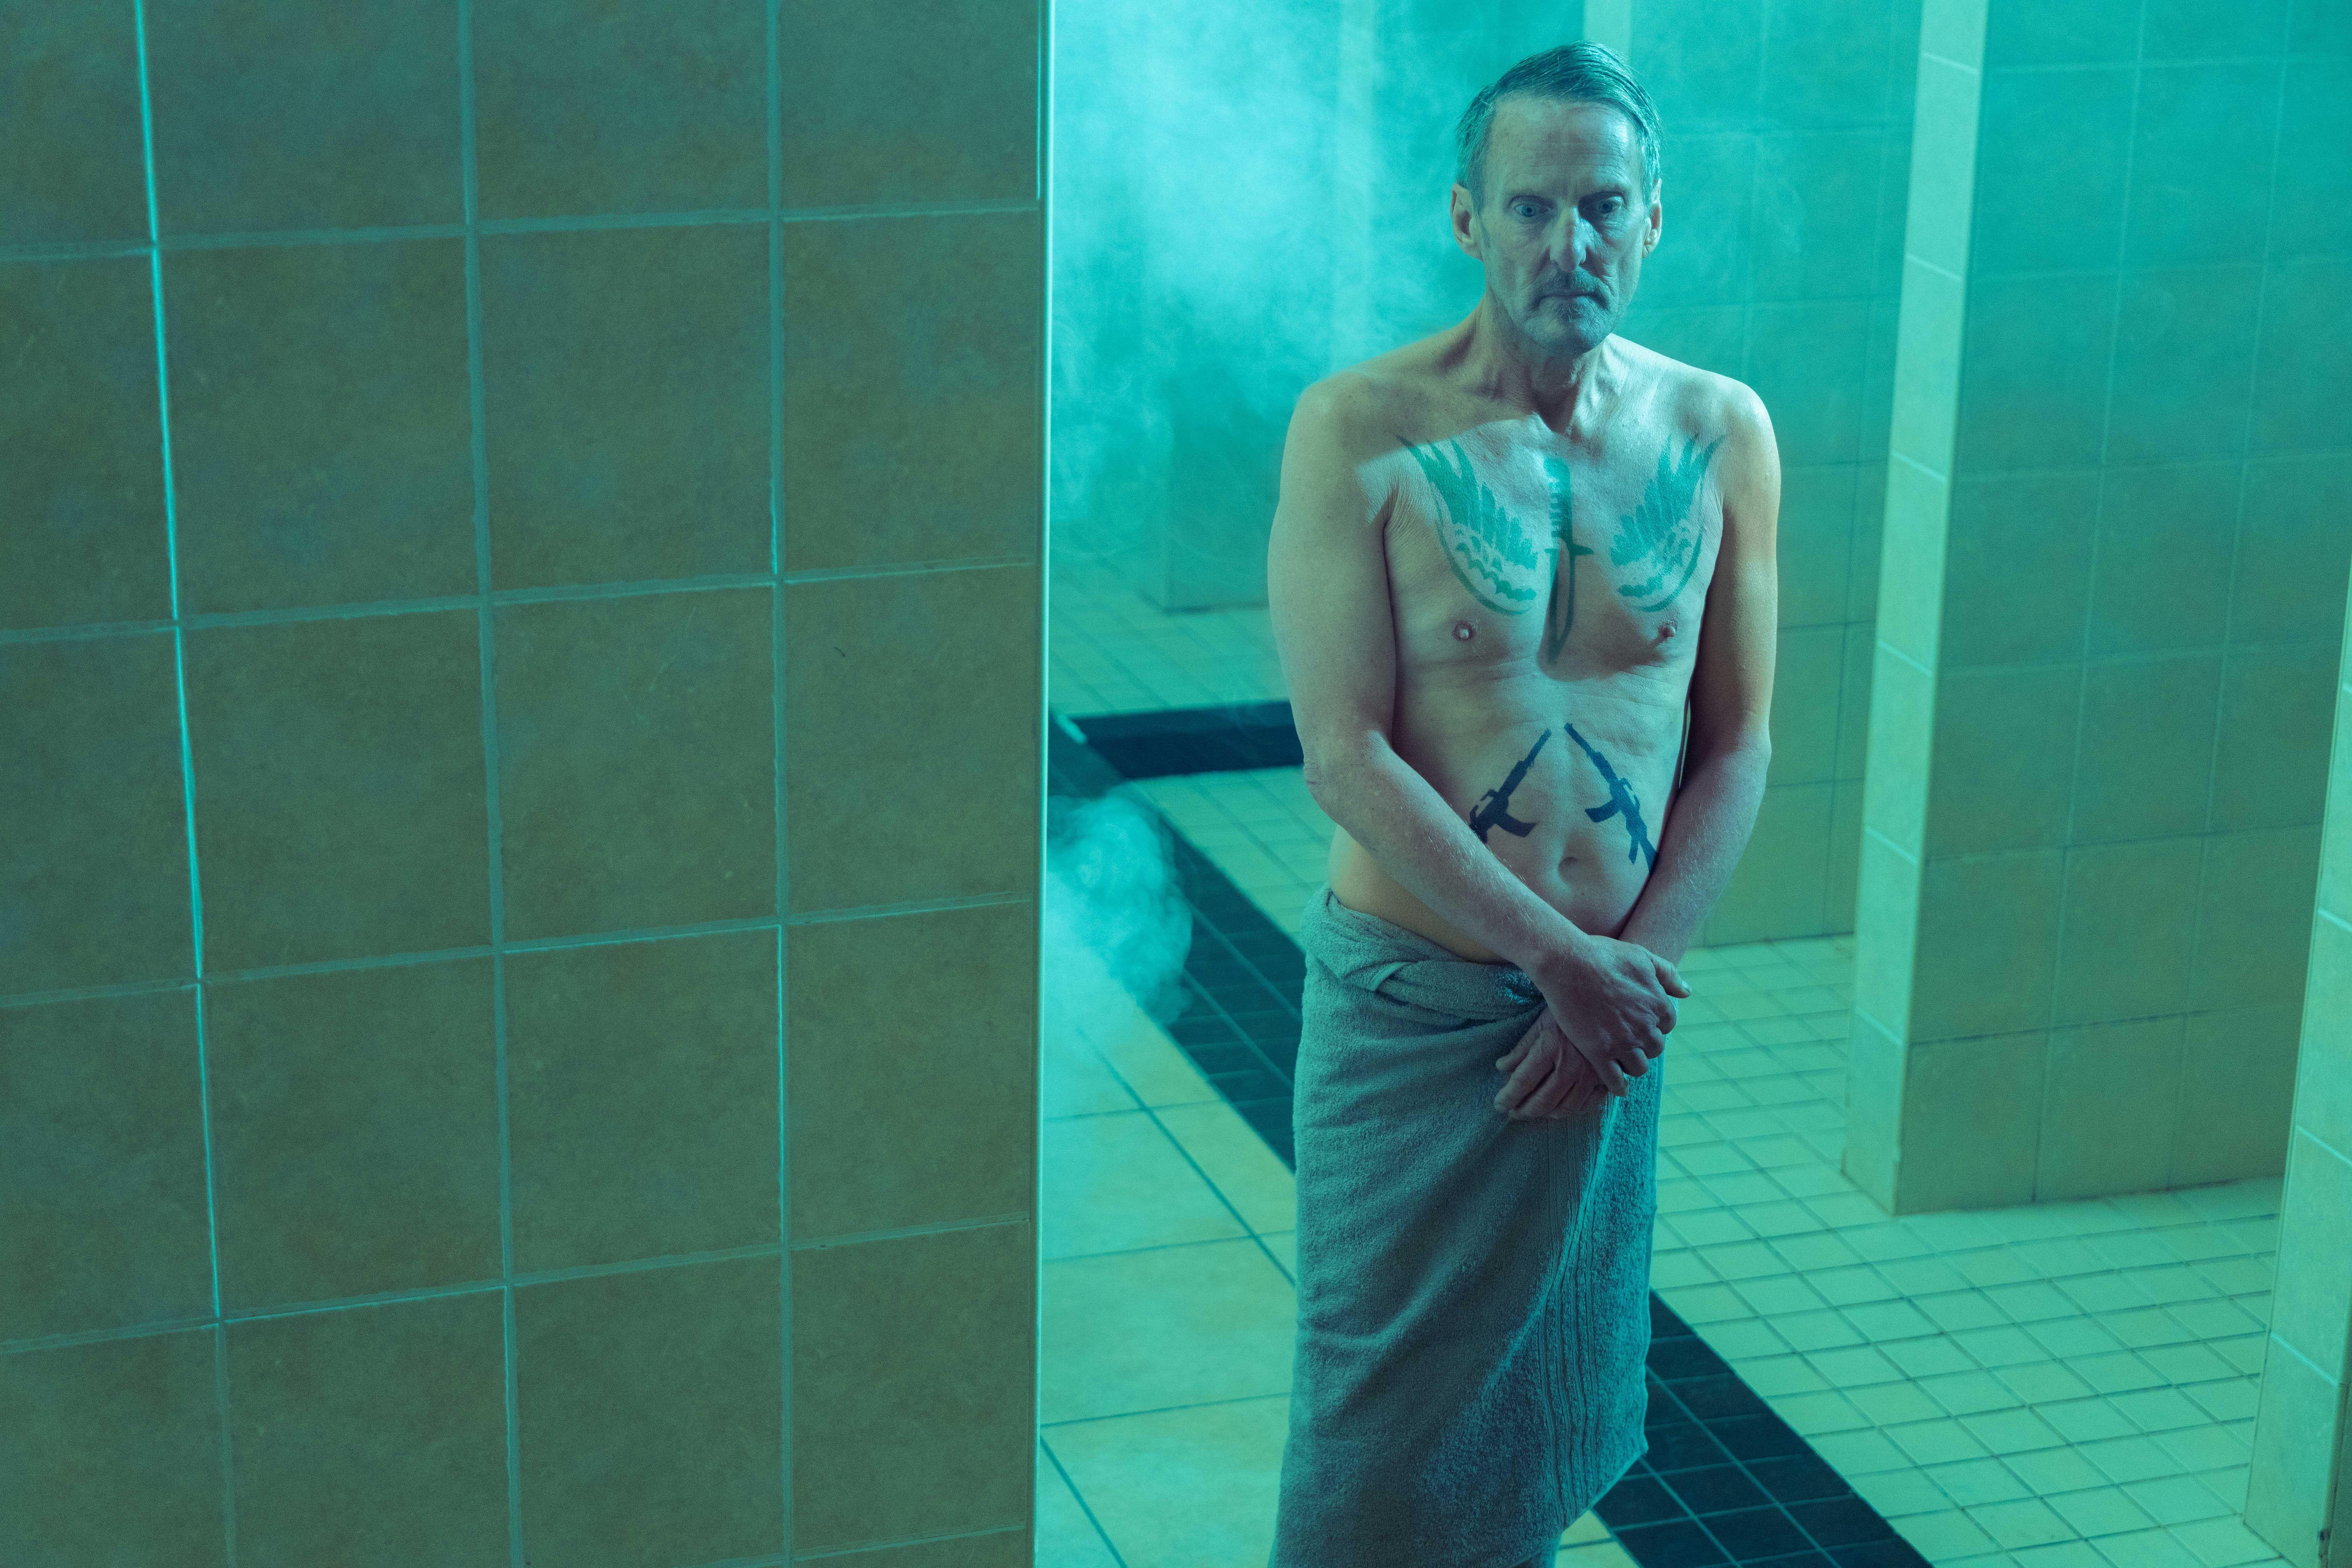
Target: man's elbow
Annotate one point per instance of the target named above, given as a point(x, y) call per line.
point(1332, 772)
point(1747, 746)
point(1323, 783)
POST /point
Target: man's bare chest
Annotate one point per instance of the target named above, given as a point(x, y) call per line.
point(1511, 550)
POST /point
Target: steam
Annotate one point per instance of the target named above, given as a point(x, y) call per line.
point(1247, 194)
point(1114, 920)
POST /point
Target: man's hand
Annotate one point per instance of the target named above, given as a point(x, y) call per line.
point(1572, 1087)
point(1614, 1002)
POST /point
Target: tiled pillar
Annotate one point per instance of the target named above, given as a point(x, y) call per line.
point(2299, 1491)
point(1787, 131)
point(2111, 603)
point(521, 616)
point(913, 709)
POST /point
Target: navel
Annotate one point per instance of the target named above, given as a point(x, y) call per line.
point(1464, 631)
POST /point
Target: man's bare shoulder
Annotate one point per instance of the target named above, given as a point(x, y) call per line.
point(1352, 412)
point(1707, 404)
point(1370, 407)
point(1727, 417)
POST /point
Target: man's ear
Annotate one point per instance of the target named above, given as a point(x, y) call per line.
point(1462, 219)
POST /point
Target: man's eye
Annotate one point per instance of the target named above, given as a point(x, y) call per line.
point(1524, 209)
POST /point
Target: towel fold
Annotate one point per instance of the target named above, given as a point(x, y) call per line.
point(1473, 1291)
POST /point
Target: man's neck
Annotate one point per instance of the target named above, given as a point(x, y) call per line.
point(1572, 393)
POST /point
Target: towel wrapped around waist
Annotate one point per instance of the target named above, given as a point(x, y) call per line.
point(1473, 1290)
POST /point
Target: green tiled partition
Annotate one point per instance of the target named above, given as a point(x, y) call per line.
point(2118, 513)
point(1788, 135)
point(520, 669)
point(2299, 1491)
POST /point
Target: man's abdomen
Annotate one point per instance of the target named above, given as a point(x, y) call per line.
point(1573, 808)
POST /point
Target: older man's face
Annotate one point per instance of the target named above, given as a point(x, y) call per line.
point(1567, 219)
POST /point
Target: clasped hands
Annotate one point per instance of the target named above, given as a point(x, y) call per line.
point(1608, 1008)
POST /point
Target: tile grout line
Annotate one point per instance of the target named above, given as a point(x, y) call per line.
point(219, 1335)
point(562, 593)
point(486, 626)
point(392, 234)
point(533, 944)
point(771, 82)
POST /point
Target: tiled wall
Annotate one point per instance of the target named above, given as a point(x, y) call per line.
point(2112, 602)
point(1787, 142)
point(520, 606)
point(2300, 1488)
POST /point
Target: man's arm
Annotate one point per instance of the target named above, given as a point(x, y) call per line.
point(1328, 588)
point(1326, 582)
point(1731, 698)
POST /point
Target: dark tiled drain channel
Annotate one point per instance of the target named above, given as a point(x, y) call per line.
point(1726, 1482)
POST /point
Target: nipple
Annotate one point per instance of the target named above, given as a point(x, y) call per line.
point(1666, 630)
point(1463, 631)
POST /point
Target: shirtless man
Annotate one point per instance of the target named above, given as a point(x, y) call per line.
point(1503, 557)
point(1507, 560)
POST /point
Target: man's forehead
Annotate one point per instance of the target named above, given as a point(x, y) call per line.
point(1539, 138)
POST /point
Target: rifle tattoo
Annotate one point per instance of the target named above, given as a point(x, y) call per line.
point(1622, 803)
point(1493, 809)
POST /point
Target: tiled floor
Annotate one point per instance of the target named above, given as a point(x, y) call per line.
point(2060, 1385)
point(1113, 651)
point(1261, 828)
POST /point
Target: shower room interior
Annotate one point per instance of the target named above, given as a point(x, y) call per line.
point(654, 841)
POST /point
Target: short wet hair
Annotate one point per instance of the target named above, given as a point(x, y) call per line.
point(1581, 72)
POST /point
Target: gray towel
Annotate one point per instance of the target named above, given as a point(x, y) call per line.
point(1473, 1291)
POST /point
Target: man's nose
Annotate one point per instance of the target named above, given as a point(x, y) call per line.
point(1578, 241)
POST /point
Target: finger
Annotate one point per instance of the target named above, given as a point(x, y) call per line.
point(1549, 1096)
point(1526, 1081)
point(1530, 1108)
point(1610, 1074)
point(1587, 1097)
point(1596, 1092)
point(1512, 1058)
point(1532, 1067)
point(1672, 979)
point(1581, 1090)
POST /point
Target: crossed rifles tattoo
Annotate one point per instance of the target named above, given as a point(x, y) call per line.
point(1493, 809)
